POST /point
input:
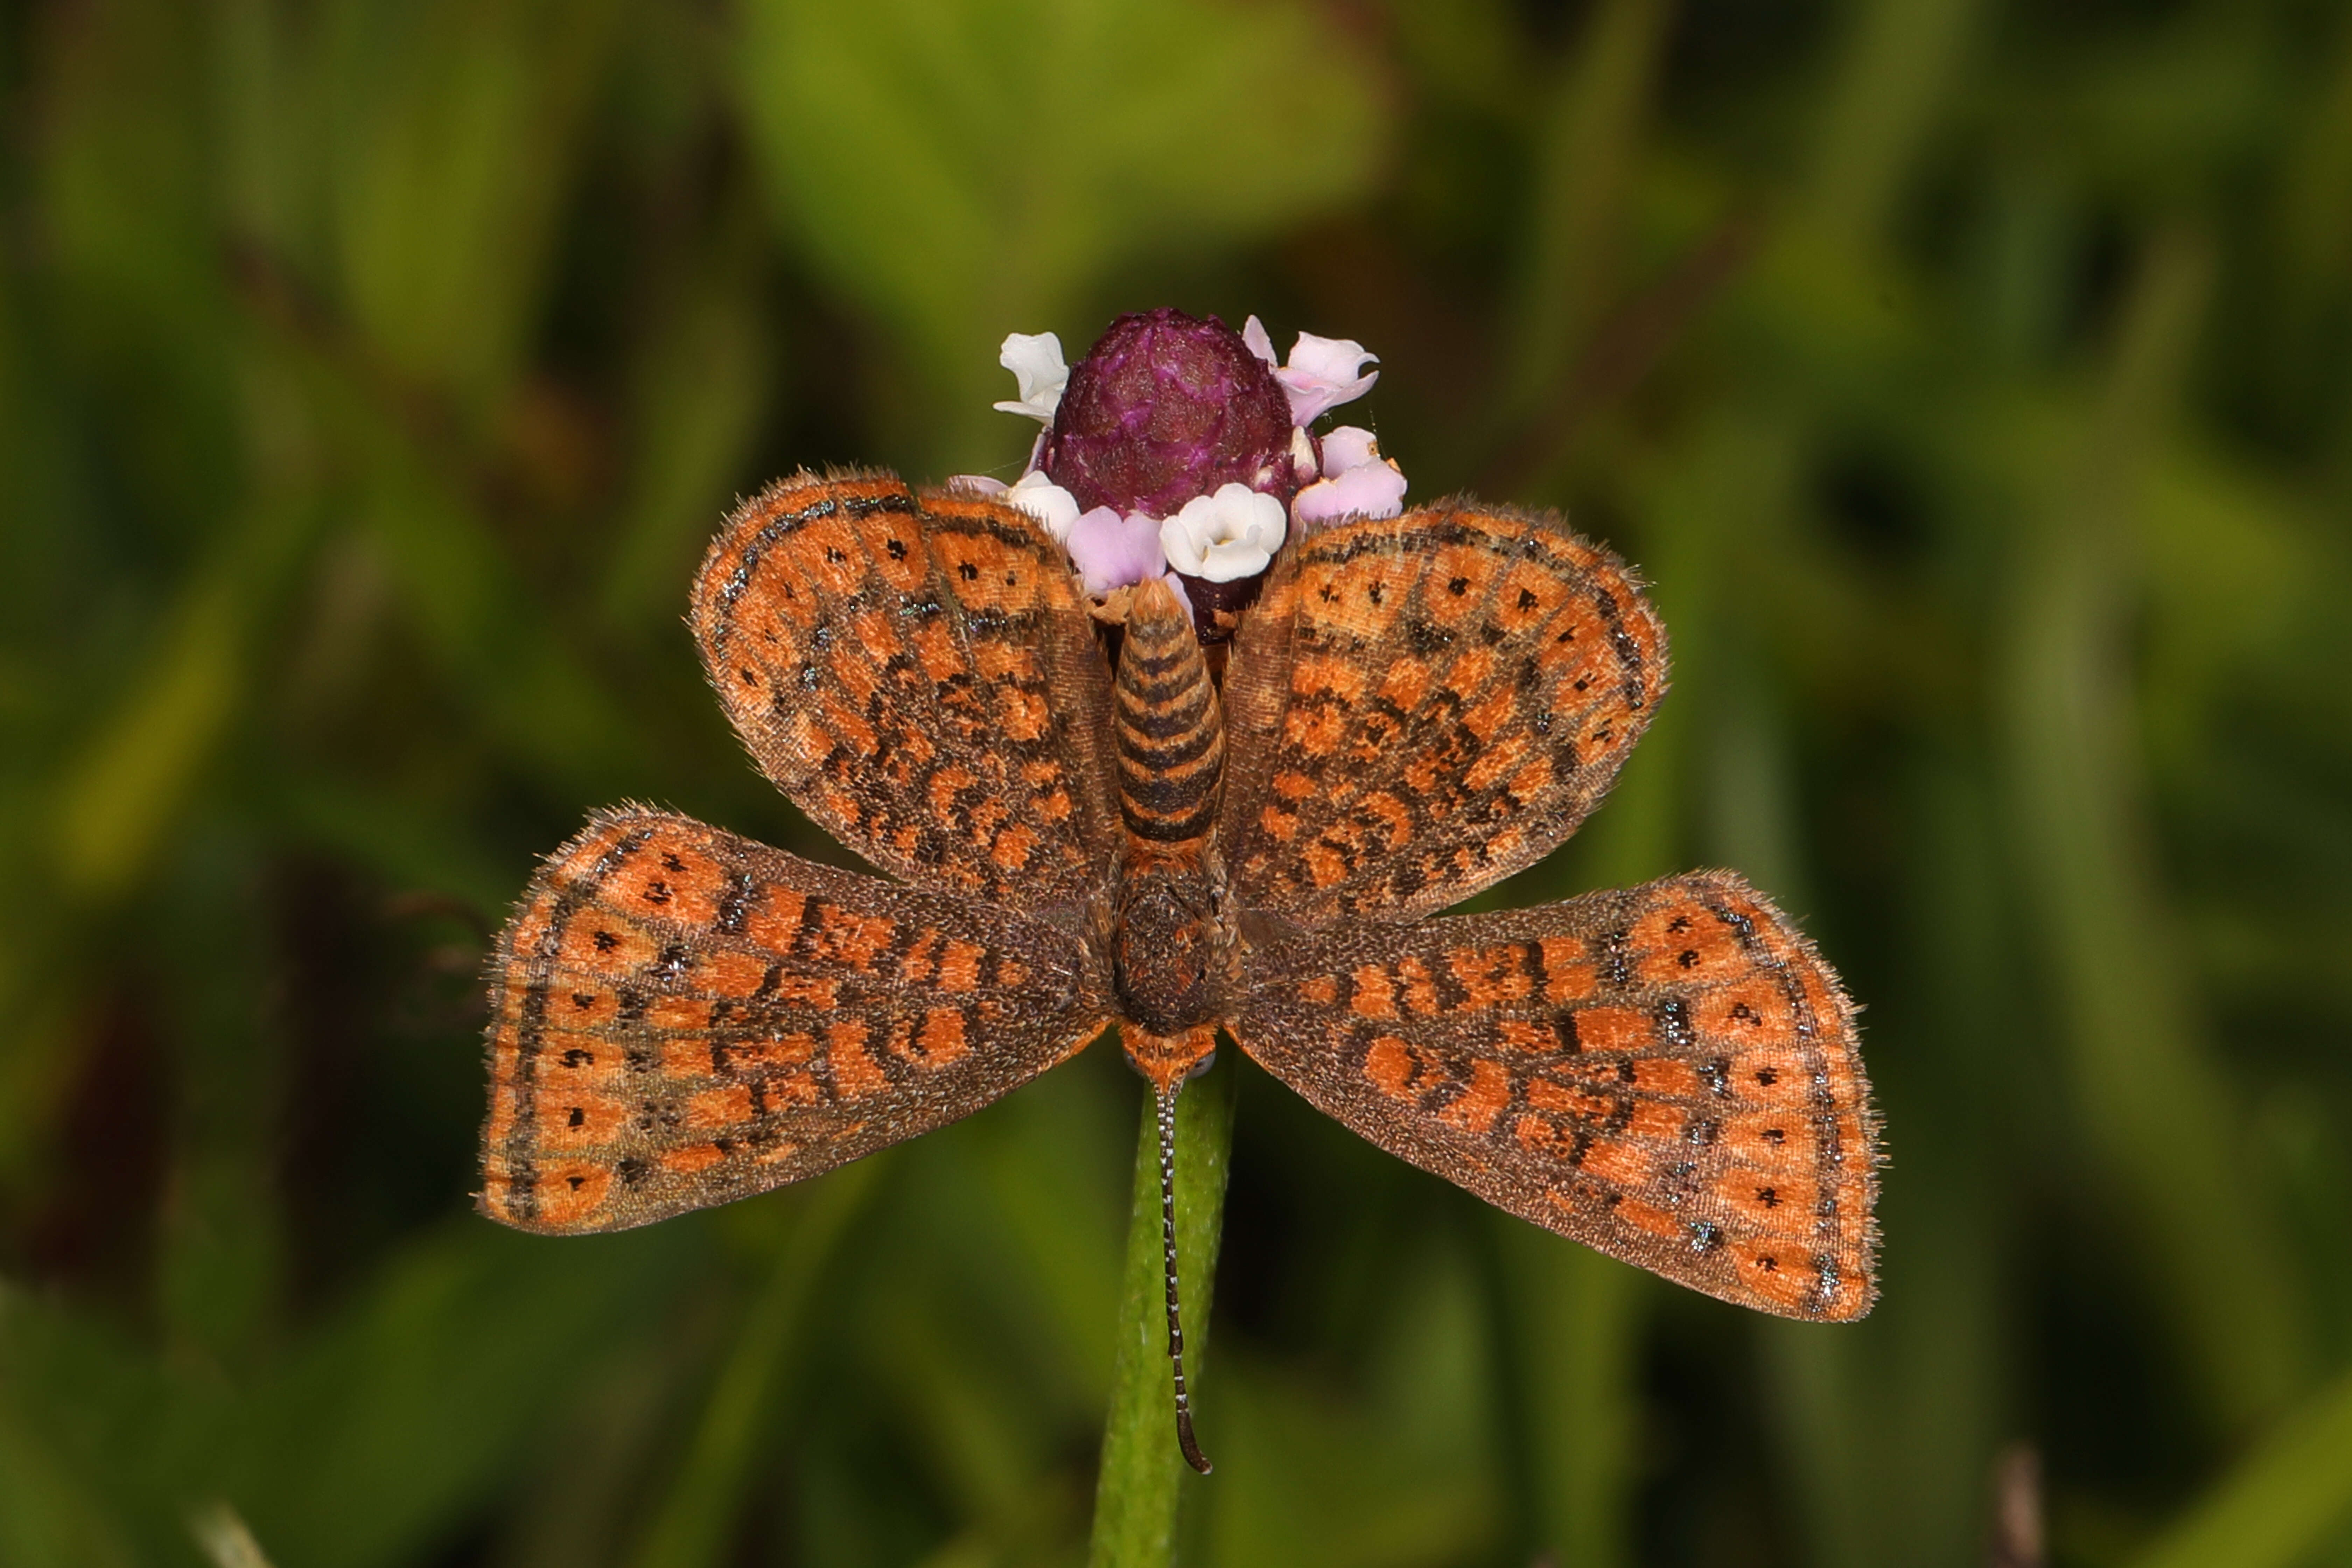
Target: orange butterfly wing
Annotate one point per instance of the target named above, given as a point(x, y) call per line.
point(680, 1018)
point(1669, 1075)
point(1421, 705)
point(919, 676)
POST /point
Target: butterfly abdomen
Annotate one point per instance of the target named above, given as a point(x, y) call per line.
point(1173, 947)
point(1171, 734)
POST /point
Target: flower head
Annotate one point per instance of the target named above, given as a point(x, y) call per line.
point(1179, 447)
point(1167, 406)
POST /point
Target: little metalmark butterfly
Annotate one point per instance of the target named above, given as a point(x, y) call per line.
point(1416, 708)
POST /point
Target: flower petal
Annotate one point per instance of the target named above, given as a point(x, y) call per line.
point(1114, 552)
point(1254, 337)
point(1055, 507)
point(979, 484)
point(1322, 374)
point(1375, 490)
point(1225, 536)
point(1036, 361)
point(1348, 446)
point(1358, 481)
point(1304, 464)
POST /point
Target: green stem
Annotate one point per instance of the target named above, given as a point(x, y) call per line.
point(1136, 1497)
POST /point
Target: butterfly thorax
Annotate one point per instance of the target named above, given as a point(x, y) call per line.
point(1173, 948)
point(1172, 938)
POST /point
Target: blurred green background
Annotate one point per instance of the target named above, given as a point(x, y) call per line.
point(1973, 380)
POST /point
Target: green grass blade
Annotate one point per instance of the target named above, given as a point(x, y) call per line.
point(2156, 1103)
point(2281, 1501)
point(1591, 142)
point(693, 1524)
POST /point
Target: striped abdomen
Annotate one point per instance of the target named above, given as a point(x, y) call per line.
point(1171, 733)
point(1171, 946)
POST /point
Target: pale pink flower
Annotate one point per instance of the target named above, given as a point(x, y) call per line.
point(1348, 446)
point(1113, 550)
point(1321, 374)
point(1357, 481)
point(1254, 339)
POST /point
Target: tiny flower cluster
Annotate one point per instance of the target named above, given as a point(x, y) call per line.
point(1179, 448)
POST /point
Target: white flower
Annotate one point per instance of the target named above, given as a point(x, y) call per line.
point(1036, 361)
point(1055, 507)
point(1357, 481)
point(1322, 374)
point(1230, 534)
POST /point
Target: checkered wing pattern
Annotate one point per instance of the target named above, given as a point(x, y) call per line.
point(918, 677)
point(1669, 1075)
point(680, 1017)
point(1419, 706)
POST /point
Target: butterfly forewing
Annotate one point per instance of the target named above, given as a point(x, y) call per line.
point(1669, 1075)
point(1421, 705)
point(920, 678)
point(680, 1017)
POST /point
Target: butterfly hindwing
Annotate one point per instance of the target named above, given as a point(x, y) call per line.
point(1421, 705)
point(917, 675)
point(1669, 1075)
point(680, 1017)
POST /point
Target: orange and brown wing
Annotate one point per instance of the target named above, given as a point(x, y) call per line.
point(679, 1018)
point(1422, 705)
point(1669, 1075)
point(920, 678)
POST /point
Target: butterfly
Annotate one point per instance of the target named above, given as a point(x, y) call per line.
point(1416, 708)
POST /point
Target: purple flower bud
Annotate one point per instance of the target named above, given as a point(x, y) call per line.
point(1165, 407)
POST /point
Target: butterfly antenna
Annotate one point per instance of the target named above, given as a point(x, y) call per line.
point(1185, 1438)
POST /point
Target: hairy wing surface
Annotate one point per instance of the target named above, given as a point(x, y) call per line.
point(1421, 705)
point(679, 1016)
point(917, 675)
point(1668, 1075)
